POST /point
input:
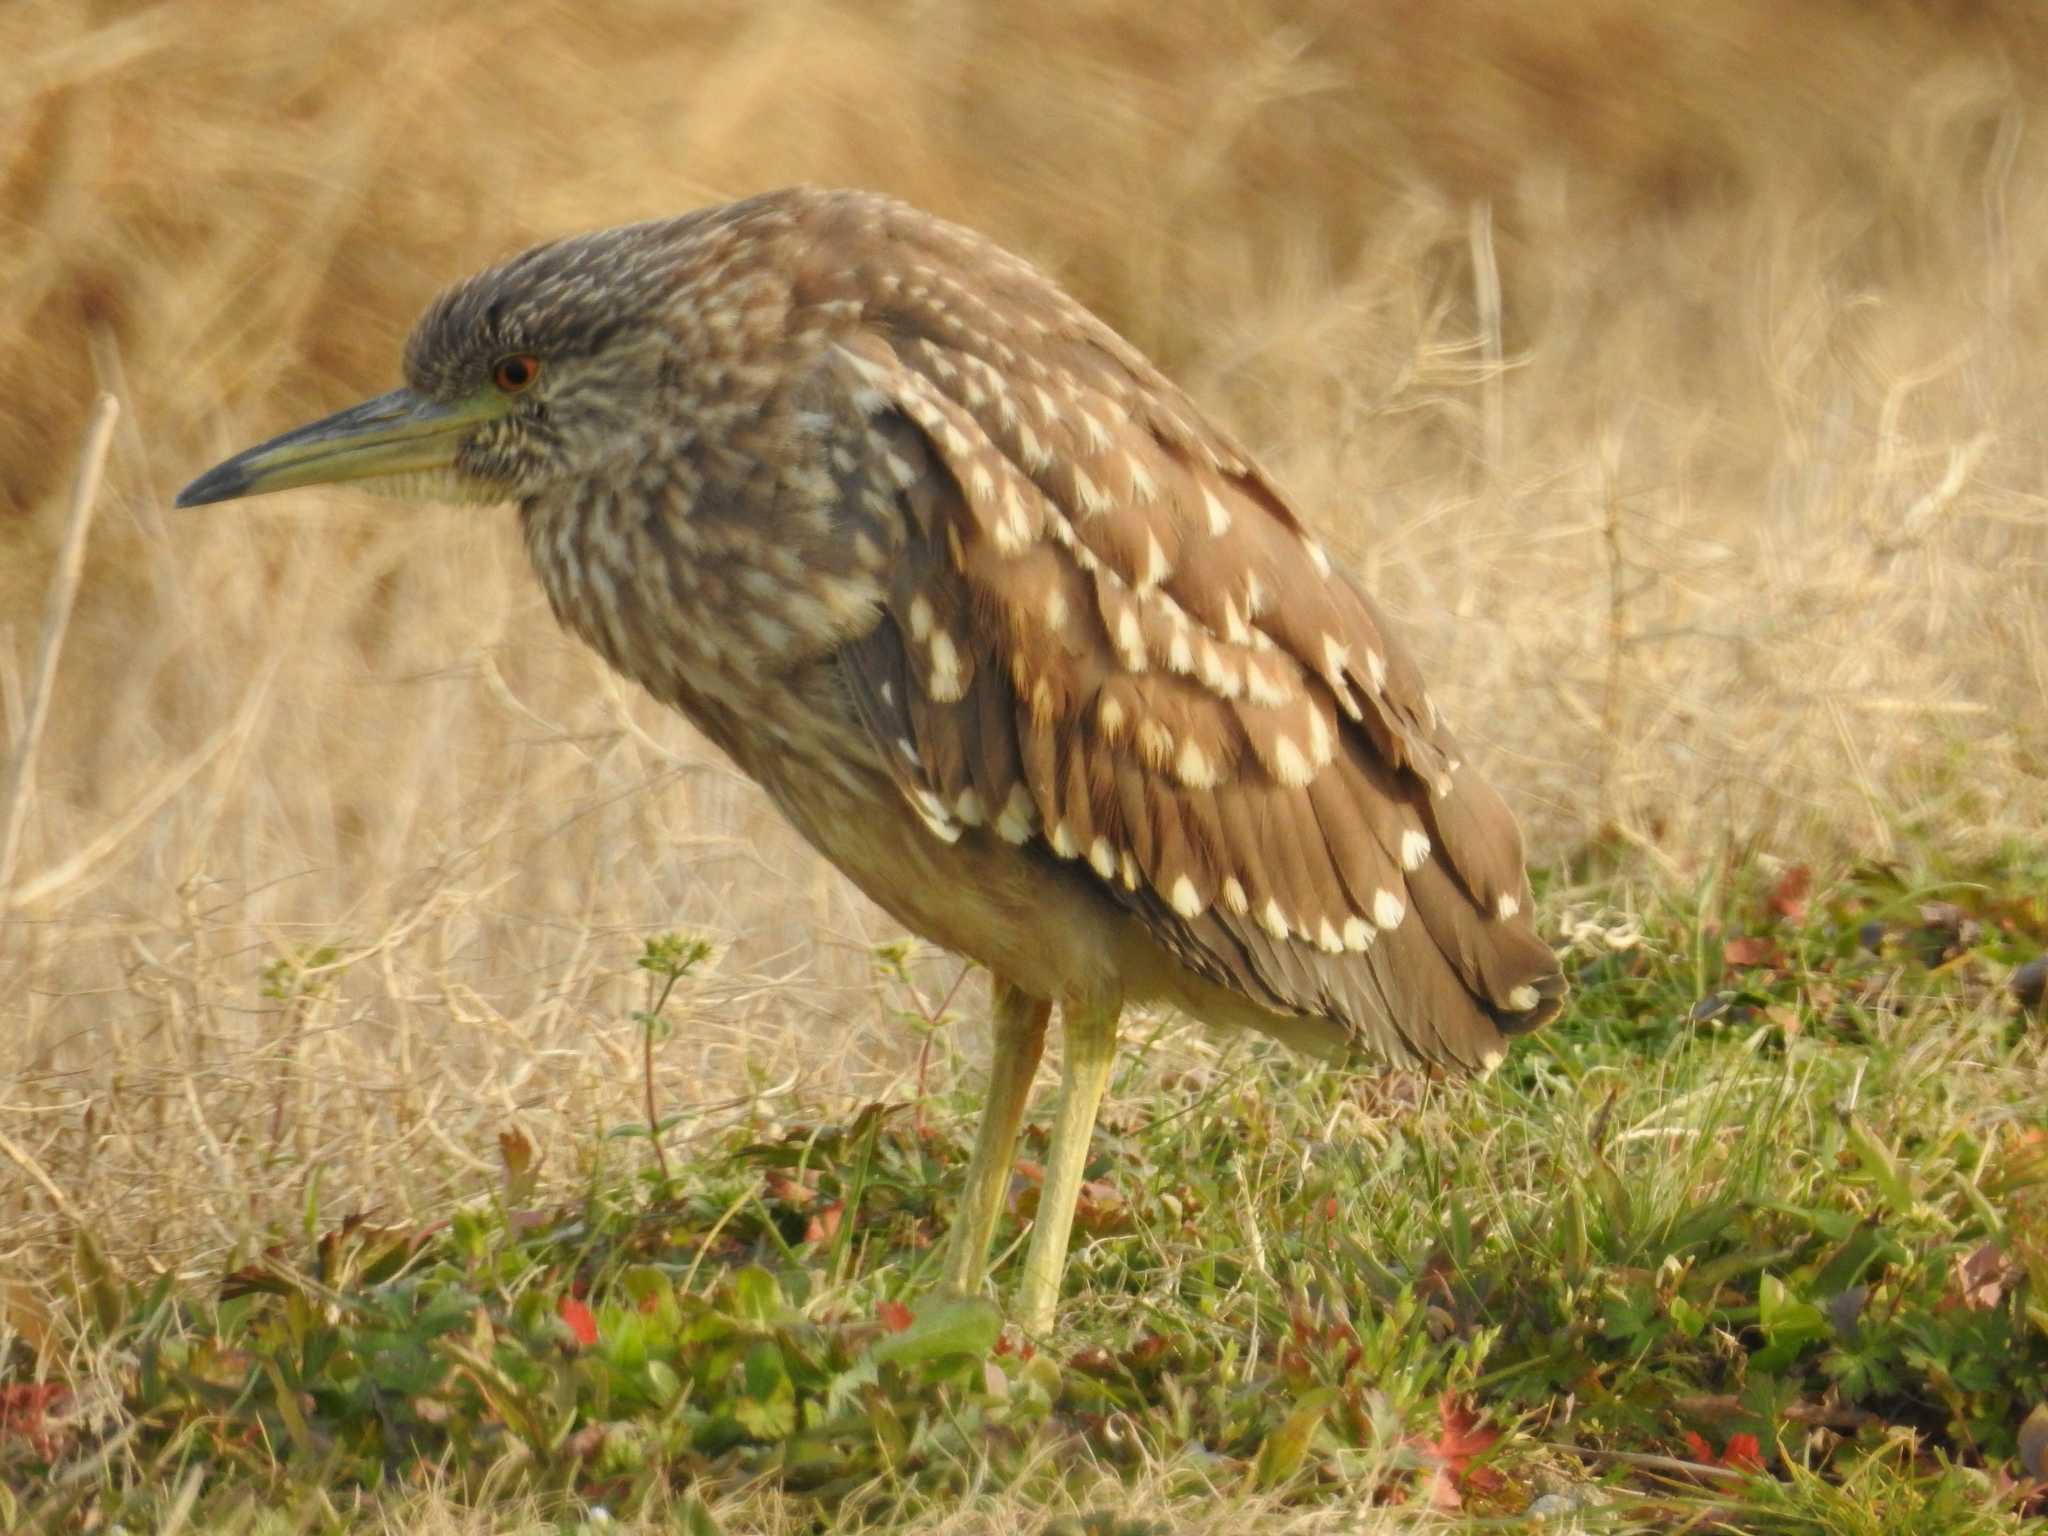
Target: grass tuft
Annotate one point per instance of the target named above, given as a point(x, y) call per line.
point(1750, 1239)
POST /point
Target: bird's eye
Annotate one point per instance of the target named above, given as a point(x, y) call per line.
point(517, 372)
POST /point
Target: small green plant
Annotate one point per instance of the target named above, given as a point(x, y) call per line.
point(667, 958)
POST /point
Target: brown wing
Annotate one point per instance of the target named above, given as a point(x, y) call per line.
point(1109, 634)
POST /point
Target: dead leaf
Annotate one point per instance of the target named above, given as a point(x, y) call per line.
point(1982, 1279)
point(1788, 895)
point(521, 1162)
point(824, 1225)
point(1098, 1206)
point(1784, 1015)
point(1751, 952)
point(24, 1407)
point(894, 1315)
point(1460, 1438)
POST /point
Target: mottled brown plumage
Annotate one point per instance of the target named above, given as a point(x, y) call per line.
point(1013, 633)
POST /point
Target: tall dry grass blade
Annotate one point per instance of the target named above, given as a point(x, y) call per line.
point(92, 462)
point(1486, 298)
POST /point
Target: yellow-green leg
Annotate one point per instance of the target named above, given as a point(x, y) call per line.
point(1019, 1029)
point(1090, 1050)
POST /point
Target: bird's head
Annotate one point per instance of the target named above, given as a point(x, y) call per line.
point(530, 374)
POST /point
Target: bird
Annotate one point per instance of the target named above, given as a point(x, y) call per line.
point(1010, 630)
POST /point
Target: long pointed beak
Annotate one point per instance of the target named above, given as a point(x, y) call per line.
point(401, 433)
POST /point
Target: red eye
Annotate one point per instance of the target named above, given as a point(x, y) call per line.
point(517, 372)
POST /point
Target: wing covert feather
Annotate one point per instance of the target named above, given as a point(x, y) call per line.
point(1113, 640)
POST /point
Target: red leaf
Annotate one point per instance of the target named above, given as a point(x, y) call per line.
point(1744, 1454)
point(581, 1320)
point(894, 1315)
point(1788, 896)
point(1463, 1436)
point(1460, 1438)
point(1750, 952)
point(821, 1227)
point(22, 1409)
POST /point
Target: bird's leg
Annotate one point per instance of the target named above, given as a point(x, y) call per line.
point(1019, 1029)
point(1090, 1052)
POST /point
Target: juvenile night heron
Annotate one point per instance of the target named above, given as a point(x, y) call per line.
point(1014, 634)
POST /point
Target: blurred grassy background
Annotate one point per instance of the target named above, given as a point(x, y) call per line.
point(1719, 530)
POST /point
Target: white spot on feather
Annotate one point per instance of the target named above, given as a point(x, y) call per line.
point(1062, 841)
point(1129, 871)
point(1260, 688)
point(1089, 496)
point(1507, 907)
point(920, 618)
point(1110, 716)
point(1293, 769)
point(1317, 555)
point(1218, 514)
point(1222, 678)
point(947, 685)
point(1329, 939)
point(1187, 901)
point(1156, 570)
point(1103, 857)
point(1322, 742)
point(1234, 897)
point(1524, 997)
point(969, 809)
point(1387, 910)
point(1358, 933)
point(1234, 629)
point(1155, 744)
point(1013, 531)
point(1143, 487)
point(1376, 670)
point(1273, 920)
point(1019, 816)
point(1414, 848)
point(1194, 767)
point(935, 815)
point(1031, 450)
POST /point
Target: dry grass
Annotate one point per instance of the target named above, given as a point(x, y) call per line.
point(1721, 529)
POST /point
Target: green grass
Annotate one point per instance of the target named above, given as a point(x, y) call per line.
point(1752, 1239)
